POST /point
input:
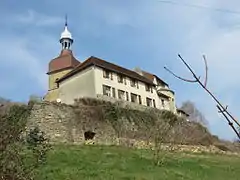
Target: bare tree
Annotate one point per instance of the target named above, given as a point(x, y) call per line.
point(194, 114)
point(222, 109)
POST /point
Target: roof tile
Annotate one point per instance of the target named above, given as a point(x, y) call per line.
point(106, 65)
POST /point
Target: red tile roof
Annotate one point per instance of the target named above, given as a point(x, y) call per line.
point(94, 61)
point(151, 77)
point(65, 60)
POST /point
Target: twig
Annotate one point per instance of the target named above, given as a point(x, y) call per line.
point(206, 71)
point(187, 80)
point(222, 109)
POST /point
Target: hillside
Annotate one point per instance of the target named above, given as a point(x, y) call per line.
point(109, 162)
point(151, 144)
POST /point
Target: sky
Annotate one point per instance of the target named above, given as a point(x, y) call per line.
point(137, 33)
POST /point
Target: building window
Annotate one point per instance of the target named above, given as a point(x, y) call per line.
point(107, 74)
point(134, 83)
point(127, 95)
point(139, 99)
point(57, 84)
point(113, 92)
point(149, 88)
point(149, 102)
point(106, 90)
point(121, 79)
point(163, 103)
point(121, 94)
point(134, 98)
point(154, 104)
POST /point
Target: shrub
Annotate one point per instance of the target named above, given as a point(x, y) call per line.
point(38, 144)
point(16, 161)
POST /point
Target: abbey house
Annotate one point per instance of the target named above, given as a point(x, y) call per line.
point(70, 79)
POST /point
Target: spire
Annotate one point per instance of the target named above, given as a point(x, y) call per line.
point(66, 37)
point(66, 20)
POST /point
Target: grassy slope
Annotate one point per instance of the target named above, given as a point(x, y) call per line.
point(101, 162)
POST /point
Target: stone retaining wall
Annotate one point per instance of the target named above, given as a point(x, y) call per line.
point(61, 125)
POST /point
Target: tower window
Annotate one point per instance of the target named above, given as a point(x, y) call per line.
point(57, 84)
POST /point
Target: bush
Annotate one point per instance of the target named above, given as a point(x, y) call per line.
point(16, 160)
point(38, 144)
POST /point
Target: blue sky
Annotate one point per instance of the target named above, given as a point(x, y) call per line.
point(147, 34)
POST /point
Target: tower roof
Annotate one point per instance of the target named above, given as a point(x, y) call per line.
point(66, 33)
point(65, 60)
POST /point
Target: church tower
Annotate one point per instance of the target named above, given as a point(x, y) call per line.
point(61, 65)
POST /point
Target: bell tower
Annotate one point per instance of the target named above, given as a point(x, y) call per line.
point(66, 37)
point(61, 65)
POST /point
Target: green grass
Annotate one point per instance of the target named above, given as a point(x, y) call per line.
point(106, 163)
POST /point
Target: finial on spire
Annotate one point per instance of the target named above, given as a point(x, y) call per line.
point(66, 20)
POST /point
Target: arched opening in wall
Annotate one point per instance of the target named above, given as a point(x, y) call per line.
point(89, 135)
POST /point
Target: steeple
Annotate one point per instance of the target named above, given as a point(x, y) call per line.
point(66, 37)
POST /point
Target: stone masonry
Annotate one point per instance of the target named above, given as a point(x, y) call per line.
point(61, 125)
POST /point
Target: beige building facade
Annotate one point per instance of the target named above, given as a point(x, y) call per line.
point(70, 79)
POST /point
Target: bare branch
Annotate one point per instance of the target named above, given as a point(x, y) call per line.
point(206, 71)
point(183, 79)
point(222, 109)
point(190, 69)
